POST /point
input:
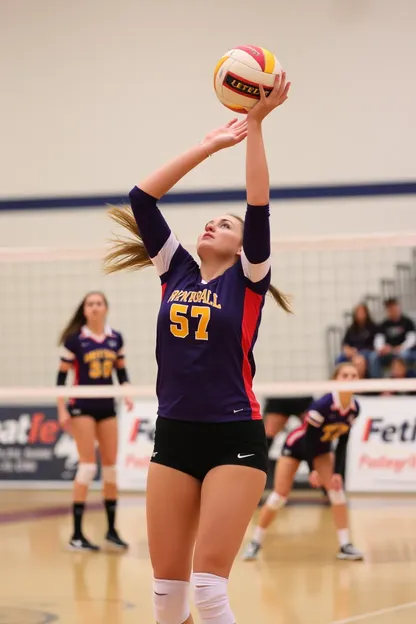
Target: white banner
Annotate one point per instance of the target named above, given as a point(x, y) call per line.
point(135, 445)
point(382, 446)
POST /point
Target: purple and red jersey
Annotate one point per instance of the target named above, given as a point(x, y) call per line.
point(206, 331)
point(326, 421)
point(93, 360)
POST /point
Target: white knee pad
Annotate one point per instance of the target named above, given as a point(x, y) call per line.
point(275, 501)
point(337, 497)
point(85, 473)
point(211, 599)
point(109, 474)
point(171, 601)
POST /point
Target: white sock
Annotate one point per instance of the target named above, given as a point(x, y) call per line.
point(343, 537)
point(258, 535)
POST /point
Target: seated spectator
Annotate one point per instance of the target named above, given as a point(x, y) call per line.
point(359, 337)
point(396, 337)
point(400, 370)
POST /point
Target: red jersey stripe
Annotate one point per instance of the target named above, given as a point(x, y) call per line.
point(251, 313)
point(297, 433)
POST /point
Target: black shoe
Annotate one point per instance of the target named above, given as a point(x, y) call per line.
point(81, 543)
point(349, 552)
point(113, 539)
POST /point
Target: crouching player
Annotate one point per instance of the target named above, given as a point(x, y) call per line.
point(328, 419)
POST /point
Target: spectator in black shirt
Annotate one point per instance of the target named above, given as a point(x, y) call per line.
point(396, 337)
point(359, 337)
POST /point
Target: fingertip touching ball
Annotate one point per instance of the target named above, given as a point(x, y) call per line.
point(238, 74)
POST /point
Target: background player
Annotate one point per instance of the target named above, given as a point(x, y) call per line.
point(329, 418)
point(209, 463)
point(93, 350)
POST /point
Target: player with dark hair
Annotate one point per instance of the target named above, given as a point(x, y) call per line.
point(330, 418)
point(93, 351)
point(209, 463)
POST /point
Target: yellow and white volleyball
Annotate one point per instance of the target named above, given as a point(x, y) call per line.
point(238, 74)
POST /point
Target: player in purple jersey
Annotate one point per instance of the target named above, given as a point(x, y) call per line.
point(209, 462)
point(93, 351)
point(328, 419)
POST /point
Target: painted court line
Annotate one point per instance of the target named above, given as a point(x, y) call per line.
point(372, 614)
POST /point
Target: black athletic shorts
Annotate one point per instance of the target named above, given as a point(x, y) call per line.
point(98, 414)
point(295, 447)
point(287, 406)
point(195, 448)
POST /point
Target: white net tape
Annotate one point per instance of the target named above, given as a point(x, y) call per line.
point(18, 395)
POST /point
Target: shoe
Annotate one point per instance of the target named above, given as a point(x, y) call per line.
point(81, 543)
point(349, 552)
point(251, 551)
point(113, 539)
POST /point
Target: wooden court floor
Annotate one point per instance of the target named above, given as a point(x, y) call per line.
point(297, 580)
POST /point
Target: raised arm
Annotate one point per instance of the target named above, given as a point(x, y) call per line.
point(157, 237)
point(256, 240)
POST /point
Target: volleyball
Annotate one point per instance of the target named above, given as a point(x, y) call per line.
point(238, 74)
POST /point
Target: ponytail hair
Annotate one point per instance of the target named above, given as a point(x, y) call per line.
point(130, 253)
point(127, 253)
point(78, 318)
point(281, 299)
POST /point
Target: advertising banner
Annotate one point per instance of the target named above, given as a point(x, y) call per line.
point(135, 445)
point(34, 451)
point(382, 446)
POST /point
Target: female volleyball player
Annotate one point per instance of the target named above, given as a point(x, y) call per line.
point(330, 418)
point(209, 463)
point(93, 350)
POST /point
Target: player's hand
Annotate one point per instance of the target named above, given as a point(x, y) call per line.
point(276, 97)
point(336, 483)
point(129, 404)
point(314, 479)
point(231, 134)
point(64, 419)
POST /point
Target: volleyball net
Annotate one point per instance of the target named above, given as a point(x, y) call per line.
point(295, 354)
point(326, 277)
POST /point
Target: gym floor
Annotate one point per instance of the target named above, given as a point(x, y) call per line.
point(296, 580)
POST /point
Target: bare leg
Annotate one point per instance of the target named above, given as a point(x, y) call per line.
point(324, 465)
point(229, 497)
point(284, 474)
point(286, 469)
point(228, 500)
point(172, 508)
point(107, 434)
point(83, 430)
